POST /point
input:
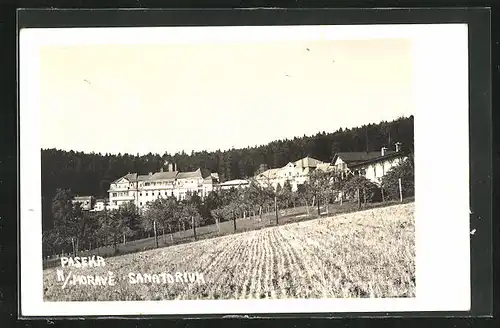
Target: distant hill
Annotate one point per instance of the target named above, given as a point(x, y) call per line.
point(91, 174)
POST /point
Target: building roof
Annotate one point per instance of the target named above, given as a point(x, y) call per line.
point(270, 174)
point(133, 177)
point(168, 175)
point(83, 197)
point(205, 173)
point(307, 162)
point(190, 175)
point(102, 200)
point(352, 158)
point(235, 182)
point(391, 154)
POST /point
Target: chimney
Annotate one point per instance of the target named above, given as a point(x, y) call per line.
point(383, 151)
point(175, 166)
point(150, 173)
point(161, 169)
point(398, 146)
point(170, 167)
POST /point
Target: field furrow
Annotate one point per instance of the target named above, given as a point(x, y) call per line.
point(260, 264)
point(291, 274)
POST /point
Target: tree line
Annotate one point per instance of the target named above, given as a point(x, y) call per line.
point(75, 229)
point(92, 173)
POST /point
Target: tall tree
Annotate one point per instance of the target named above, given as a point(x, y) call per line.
point(69, 220)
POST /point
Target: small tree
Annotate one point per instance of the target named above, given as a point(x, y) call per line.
point(319, 187)
point(304, 193)
point(230, 211)
point(219, 215)
point(259, 195)
point(361, 189)
point(286, 196)
point(191, 214)
point(404, 171)
point(130, 220)
point(112, 226)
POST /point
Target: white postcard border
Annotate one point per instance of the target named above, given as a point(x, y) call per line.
point(441, 179)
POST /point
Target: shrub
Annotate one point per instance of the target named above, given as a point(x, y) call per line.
point(390, 181)
point(370, 189)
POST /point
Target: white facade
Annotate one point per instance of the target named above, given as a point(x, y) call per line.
point(141, 189)
point(86, 202)
point(371, 165)
point(374, 171)
point(239, 183)
point(296, 173)
point(100, 205)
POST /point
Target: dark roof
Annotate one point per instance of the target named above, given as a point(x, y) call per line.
point(133, 177)
point(392, 154)
point(190, 175)
point(353, 158)
point(307, 162)
point(169, 175)
point(205, 173)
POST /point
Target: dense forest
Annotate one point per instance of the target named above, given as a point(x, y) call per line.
point(91, 174)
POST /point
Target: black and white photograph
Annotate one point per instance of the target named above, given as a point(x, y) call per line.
point(252, 164)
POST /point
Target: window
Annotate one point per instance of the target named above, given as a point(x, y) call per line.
point(146, 184)
point(153, 193)
point(140, 194)
point(140, 203)
point(165, 193)
point(146, 194)
point(114, 195)
point(114, 202)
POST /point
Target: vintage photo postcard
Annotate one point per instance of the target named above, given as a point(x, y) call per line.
point(233, 170)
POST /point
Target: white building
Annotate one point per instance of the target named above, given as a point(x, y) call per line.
point(141, 189)
point(296, 173)
point(86, 202)
point(239, 183)
point(372, 165)
point(100, 205)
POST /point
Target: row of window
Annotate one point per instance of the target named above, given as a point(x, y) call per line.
point(159, 193)
point(159, 183)
point(116, 194)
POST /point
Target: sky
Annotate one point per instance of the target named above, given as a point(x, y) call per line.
point(170, 97)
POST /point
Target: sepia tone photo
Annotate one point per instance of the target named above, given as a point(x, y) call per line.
point(228, 170)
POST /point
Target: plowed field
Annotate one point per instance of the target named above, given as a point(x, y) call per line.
point(363, 254)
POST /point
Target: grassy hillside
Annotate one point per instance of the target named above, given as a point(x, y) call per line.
point(362, 254)
point(211, 231)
